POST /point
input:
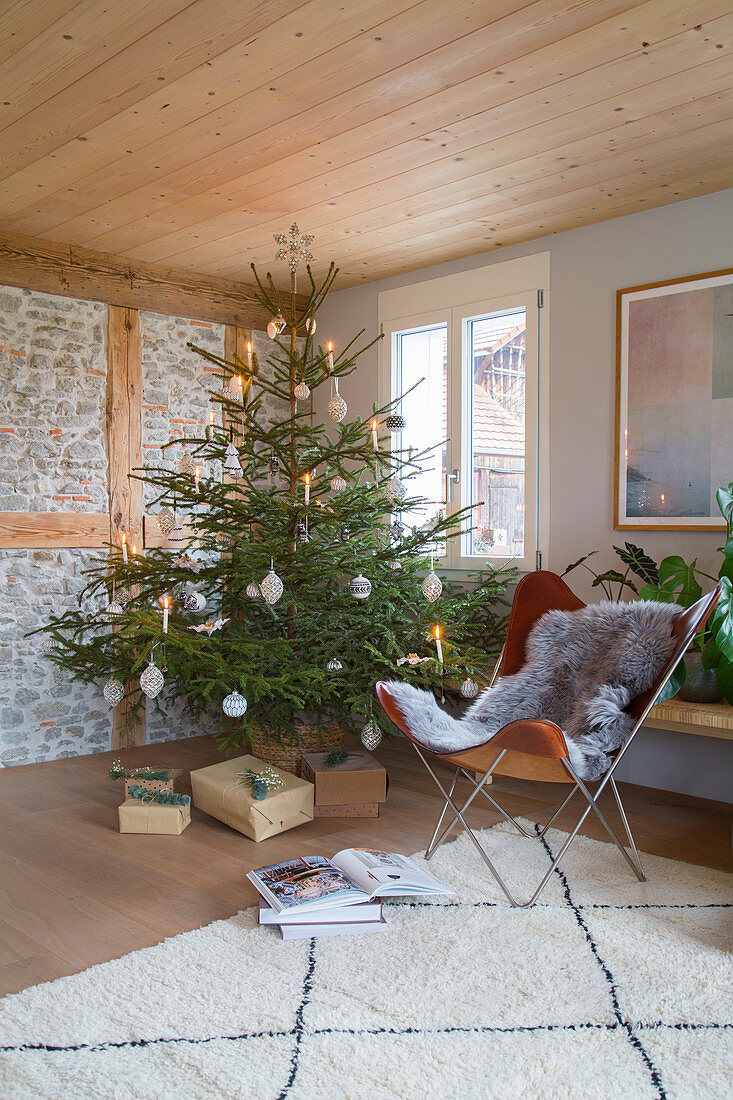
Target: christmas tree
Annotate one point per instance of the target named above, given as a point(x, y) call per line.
point(297, 586)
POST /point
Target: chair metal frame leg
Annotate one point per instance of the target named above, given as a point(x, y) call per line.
point(438, 837)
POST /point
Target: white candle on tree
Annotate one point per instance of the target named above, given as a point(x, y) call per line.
point(166, 605)
point(124, 547)
point(330, 356)
point(307, 480)
point(438, 646)
point(375, 441)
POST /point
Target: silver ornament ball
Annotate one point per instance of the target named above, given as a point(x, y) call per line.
point(301, 392)
point(333, 665)
point(234, 705)
point(338, 484)
point(395, 422)
point(360, 587)
point(469, 689)
point(253, 590)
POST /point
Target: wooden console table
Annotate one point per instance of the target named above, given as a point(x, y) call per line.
point(705, 719)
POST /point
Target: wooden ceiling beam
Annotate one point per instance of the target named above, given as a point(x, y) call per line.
point(98, 277)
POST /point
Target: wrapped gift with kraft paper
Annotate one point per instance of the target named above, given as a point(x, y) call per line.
point(137, 816)
point(355, 787)
point(167, 779)
point(222, 791)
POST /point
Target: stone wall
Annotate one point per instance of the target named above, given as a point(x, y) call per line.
point(53, 375)
point(53, 372)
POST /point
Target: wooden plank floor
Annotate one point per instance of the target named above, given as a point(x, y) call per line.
point(74, 892)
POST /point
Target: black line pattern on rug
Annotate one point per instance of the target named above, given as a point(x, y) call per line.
point(298, 1029)
point(485, 1029)
point(633, 1039)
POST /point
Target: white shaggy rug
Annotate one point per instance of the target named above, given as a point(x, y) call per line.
point(606, 989)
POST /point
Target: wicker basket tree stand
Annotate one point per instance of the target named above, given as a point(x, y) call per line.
point(284, 750)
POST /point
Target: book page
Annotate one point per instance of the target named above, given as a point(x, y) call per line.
point(379, 873)
point(305, 882)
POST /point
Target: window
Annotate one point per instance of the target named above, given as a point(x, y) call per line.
point(470, 370)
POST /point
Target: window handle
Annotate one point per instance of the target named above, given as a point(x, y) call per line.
point(455, 477)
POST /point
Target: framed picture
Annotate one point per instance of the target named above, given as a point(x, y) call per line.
point(674, 403)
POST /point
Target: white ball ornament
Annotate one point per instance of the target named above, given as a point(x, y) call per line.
point(333, 665)
point(371, 735)
point(115, 609)
point(113, 691)
point(301, 392)
point(395, 422)
point(253, 590)
point(360, 587)
point(234, 705)
point(337, 408)
point(469, 689)
point(338, 484)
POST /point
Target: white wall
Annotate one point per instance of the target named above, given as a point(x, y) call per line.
point(587, 266)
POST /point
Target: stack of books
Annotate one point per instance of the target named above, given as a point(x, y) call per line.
point(316, 896)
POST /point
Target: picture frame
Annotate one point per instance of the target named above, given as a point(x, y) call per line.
point(673, 445)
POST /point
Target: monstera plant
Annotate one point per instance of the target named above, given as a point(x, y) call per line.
point(675, 580)
point(678, 582)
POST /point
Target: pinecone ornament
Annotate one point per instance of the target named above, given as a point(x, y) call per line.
point(371, 735)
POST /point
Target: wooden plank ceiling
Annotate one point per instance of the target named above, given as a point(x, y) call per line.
point(399, 132)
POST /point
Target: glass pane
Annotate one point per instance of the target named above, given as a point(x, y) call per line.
point(422, 353)
point(496, 352)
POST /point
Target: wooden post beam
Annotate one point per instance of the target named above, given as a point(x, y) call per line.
point(99, 277)
point(125, 447)
point(53, 530)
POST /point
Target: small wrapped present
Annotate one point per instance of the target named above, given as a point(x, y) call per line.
point(149, 777)
point(138, 816)
point(227, 792)
point(355, 781)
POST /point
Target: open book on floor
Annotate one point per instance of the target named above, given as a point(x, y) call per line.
point(310, 884)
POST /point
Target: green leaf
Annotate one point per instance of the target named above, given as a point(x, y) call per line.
point(711, 655)
point(580, 561)
point(612, 576)
point(654, 592)
point(639, 562)
point(674, 683)
point(725, 678)
point(675, 573)
point(724, 498)
point(722, 624)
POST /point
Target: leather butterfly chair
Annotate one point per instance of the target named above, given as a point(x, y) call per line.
point(536, 749)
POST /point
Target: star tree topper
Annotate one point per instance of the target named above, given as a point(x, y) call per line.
point(293, 248)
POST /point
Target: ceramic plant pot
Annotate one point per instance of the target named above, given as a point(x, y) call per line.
point(701, 684)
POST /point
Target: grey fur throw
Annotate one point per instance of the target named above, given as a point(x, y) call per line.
point(582, 668)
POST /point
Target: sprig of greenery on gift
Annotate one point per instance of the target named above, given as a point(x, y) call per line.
point(277, 655)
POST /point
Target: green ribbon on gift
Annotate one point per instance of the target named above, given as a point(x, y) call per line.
point(163, 798)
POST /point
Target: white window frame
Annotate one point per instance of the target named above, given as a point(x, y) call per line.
point(454, 300)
